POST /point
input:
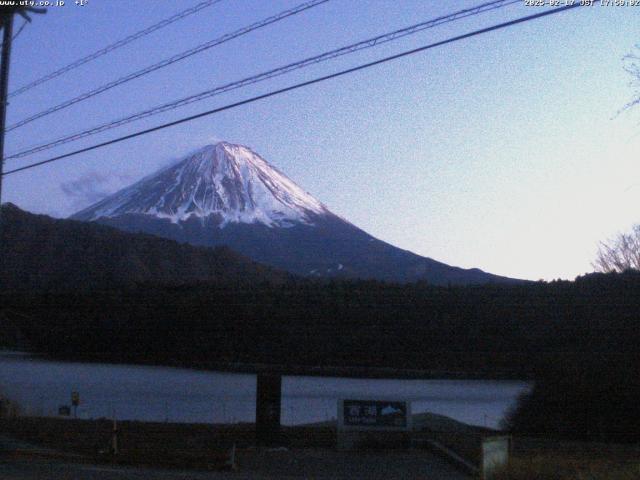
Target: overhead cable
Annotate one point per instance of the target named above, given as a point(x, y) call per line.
point(369, 43)
point(169, 61)
point(298, 86)
point(114, 46)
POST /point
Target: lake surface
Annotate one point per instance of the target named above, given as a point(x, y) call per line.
point(180, 395)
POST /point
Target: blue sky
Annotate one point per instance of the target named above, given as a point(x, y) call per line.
point(503, 151)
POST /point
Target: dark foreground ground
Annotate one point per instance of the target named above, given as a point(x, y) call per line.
point(256, 464)
point(64, 449)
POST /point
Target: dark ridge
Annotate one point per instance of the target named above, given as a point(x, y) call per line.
point(41, 253)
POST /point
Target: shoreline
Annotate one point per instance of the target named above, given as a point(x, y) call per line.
point(329, 371)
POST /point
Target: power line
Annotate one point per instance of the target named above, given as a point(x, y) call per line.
point(116, 45)
point(369, 43)
point(299, 85)
point(169, 61)
point(24, 24)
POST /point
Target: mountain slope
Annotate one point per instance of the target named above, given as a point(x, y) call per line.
point(226, 194)
point(42, 253)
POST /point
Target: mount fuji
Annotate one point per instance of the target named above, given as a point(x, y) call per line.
point(226, 194)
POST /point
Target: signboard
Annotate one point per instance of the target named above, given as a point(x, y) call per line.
point(374, 415)
point(64, 410)
point(495, 455)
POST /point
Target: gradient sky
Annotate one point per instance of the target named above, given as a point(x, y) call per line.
point(503, 151)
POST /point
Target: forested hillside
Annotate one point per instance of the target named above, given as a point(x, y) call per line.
point(97, 294)
point(40, 253)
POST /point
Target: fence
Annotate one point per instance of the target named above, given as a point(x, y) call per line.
point(183, 409)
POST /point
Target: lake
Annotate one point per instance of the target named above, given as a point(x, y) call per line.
point(132, 392)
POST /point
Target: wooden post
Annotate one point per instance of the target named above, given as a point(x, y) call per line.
point(114, 437)
point(268, 407)
point(75, 401)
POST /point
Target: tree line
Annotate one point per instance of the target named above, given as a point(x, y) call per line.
point(578, 340)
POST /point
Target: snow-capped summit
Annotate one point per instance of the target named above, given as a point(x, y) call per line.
point(226, 194)
point(230, 183)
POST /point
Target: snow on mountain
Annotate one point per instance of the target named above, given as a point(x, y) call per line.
point(226, 194)
point(226, 181)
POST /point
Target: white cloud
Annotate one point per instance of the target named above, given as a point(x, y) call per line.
point(93, 186)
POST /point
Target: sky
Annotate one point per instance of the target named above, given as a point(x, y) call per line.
point(506, 151)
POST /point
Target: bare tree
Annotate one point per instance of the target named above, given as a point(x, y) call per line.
point(623, 252)
point(631, 64)
point(619, 254)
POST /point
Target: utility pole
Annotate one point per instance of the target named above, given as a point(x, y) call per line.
point(6, 24)
point(7, 34)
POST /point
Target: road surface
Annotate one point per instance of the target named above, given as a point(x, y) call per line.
point(318, 464)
